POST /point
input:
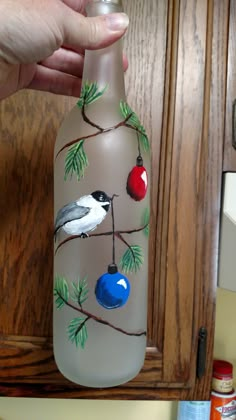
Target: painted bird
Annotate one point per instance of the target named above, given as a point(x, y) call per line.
point(84, 215)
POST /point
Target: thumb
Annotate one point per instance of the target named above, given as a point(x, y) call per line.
point(93, 32)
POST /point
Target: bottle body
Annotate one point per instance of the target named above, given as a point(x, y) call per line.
point(223, 406)
point(193, 410)
point(101, 203)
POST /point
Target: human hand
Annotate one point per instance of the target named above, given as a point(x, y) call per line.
point(42, 43)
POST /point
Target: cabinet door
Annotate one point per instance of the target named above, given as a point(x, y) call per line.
point(173, 84)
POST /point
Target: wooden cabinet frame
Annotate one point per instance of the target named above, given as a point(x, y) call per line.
point(177, 83)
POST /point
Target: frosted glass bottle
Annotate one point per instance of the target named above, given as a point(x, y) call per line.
point(101, 202)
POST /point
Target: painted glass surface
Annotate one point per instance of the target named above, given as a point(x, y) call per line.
point(101, 196)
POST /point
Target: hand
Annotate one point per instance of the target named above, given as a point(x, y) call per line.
point(42, 43)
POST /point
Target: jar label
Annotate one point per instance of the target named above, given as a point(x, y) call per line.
point(222, 385)
point(223, 408)
point(228, 410)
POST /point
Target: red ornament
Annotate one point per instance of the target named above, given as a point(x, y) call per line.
point(137, 182)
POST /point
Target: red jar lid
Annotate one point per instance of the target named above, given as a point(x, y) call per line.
point(221, 367)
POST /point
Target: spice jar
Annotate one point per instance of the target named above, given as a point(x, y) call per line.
point(223, 406)
point(222, 380)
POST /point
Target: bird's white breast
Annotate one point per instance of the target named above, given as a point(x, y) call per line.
point(87, 223)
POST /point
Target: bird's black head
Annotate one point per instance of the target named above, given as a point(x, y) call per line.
point(102, 197)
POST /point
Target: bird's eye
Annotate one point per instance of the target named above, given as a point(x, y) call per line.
point(100, 196)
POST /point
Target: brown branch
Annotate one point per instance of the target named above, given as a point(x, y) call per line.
point(120, 124)
point(117, 233)
point(81, 326)
point(100, 131)
point(135, 128)
point(88, 121)
point(100, 320)
point(77, 141)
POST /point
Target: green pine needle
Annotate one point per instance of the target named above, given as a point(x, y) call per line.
point(134, 121)
point(61, 292)
point(126, 111)
point(80, 291)
point(132, 260)
point(90, 93)
point(76, 161)
point(145, 221)
point(77, 332)
point(144, 142)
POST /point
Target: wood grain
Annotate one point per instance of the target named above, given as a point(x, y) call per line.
point(29, 123)
point(70, 391)
point(176, 82)
point(30, 360)
point(146, 46)
point(164, 168)
point(229, 151)
point(210, 180)
point(183, 200)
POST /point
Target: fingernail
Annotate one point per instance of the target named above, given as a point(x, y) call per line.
point(117, 21)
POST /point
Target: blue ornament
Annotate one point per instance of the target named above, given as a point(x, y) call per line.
point(112, 290)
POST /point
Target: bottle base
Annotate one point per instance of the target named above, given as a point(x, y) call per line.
point(92, 381)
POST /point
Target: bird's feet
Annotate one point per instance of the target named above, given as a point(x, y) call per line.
point(84, 235)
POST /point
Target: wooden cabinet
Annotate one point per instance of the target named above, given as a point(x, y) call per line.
point(229, 151)
point(176, 82)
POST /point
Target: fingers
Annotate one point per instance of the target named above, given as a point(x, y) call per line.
point(77, 5)
point(69, 61)
point(93, 33)
point(54, 81)
point(65, 61)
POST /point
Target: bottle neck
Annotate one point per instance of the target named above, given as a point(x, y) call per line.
point(105, 66)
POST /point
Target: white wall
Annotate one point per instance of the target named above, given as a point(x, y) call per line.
point(32, 409)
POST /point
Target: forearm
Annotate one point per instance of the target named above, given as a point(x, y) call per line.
point(5, 66)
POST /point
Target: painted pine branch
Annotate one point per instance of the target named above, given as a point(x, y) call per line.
point(100, 320)
point(109, 233)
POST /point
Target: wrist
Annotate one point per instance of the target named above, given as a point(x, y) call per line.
point(4, 71)
point(6, 84)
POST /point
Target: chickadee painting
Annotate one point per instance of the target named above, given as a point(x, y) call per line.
point(84, 215)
